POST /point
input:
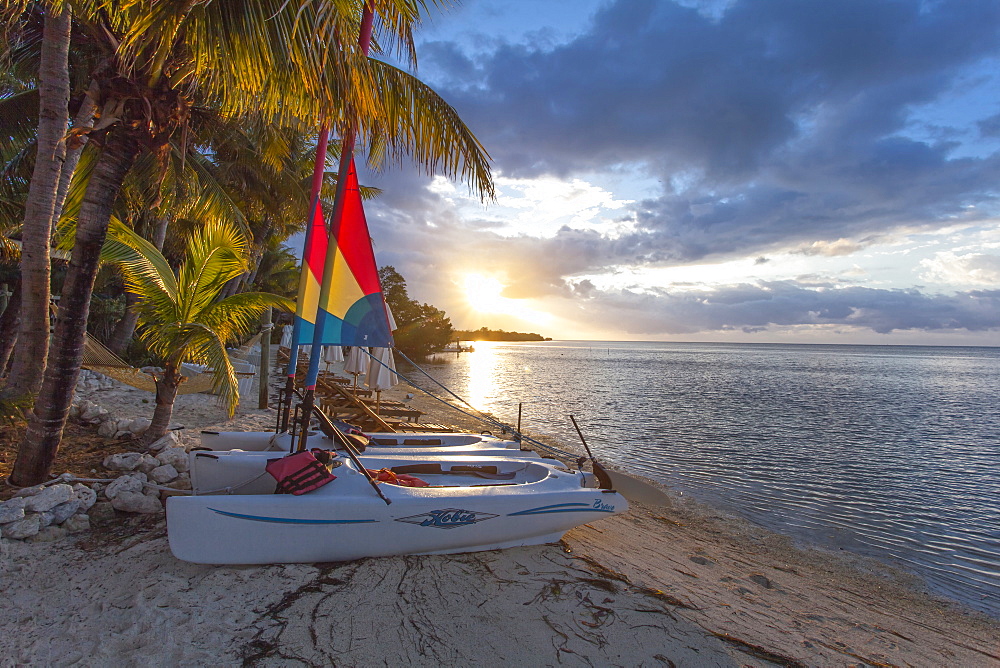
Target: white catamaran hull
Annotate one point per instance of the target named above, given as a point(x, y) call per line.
point(383, 444)
point(473, 504)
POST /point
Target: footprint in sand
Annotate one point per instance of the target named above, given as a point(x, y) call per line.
point(702, 561)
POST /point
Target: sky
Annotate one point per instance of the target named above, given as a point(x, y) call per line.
point(743, 170)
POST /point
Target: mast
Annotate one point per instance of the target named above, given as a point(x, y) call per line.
point(344, 172)
point(312, 243)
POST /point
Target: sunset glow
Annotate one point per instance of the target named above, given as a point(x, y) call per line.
point(484, 295)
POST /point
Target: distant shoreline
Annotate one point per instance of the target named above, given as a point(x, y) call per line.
point(601, 342)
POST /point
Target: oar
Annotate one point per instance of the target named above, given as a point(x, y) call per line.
point(603, 479)
point(331, 430)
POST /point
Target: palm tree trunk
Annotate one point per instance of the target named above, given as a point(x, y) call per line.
point(126, 326)
point(53, 118)
point(74, 149)
point(10, 320)
point(166, 393)
point(40, 444)
point(160, 232)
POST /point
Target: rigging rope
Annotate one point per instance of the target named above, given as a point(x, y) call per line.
point(483, 417)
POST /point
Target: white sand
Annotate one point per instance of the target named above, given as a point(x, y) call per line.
point(667, 584)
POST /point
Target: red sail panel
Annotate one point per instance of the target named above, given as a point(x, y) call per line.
point(354, 239)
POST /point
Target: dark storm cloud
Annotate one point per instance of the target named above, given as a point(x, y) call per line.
point(779, 122)
point(757, 308)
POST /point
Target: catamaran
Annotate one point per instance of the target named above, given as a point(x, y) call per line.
point(468, 505)
point(408, 493)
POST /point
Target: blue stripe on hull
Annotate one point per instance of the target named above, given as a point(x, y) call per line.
point(286, 520)
point(561, 508)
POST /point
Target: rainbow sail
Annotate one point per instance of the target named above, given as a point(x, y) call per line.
point(313, 257)
point(352, 311)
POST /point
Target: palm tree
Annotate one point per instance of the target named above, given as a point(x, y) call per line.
point(53, 95)
point(269, 59)
point(181, 318)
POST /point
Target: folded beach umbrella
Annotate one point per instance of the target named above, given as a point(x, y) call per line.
point(357, 362)
point(392, 321)
point(333, 354)
point(382, 372)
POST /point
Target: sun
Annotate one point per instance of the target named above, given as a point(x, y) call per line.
point(485, 295)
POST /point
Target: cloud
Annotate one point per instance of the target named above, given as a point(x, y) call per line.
point(762, 129)
point(972, 269)
point(760, 307)
point(769, 123)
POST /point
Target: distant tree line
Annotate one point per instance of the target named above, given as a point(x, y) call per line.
point(421, 329)
point(484, 334)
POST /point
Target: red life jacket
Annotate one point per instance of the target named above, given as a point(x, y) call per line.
point(298, 473)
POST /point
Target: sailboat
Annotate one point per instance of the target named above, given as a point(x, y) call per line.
point(337, 506)
point(480, 493)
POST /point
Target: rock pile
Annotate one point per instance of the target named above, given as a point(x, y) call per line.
point(91, 381)
point(50, 512)
point(110, 426)
point(45, 514)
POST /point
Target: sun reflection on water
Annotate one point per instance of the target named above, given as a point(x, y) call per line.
point(483, 369)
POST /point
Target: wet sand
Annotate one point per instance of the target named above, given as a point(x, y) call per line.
point(671, 582)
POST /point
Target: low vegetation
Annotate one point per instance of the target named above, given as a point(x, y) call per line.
point(484, 334)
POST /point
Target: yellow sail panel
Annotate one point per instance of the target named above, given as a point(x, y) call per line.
point(345, 290)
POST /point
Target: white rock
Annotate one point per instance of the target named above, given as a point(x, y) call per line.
point(139, 425)
point(131, 502)
point(107, 429)
point(122, 461)
point(22, 529)
point(74, 411)
point(29, 491)
point(123, 424)
point(147, 463)
point(49, 535)
point(77, 523)
point(12, 510)
point(176, 457)
point(92, 412)
point(44, 519)
point(85, 495)
point(64, 511)
point(168, 440)
point(127, 483)
point(48, 498)
point(163, 474)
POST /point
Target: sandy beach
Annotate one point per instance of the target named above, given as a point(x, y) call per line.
point(669, 583)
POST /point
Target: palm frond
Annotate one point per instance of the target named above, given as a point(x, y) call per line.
point(147, 273)
point(215, 255)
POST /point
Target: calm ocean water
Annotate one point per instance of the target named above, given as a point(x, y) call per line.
point(892, 452)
